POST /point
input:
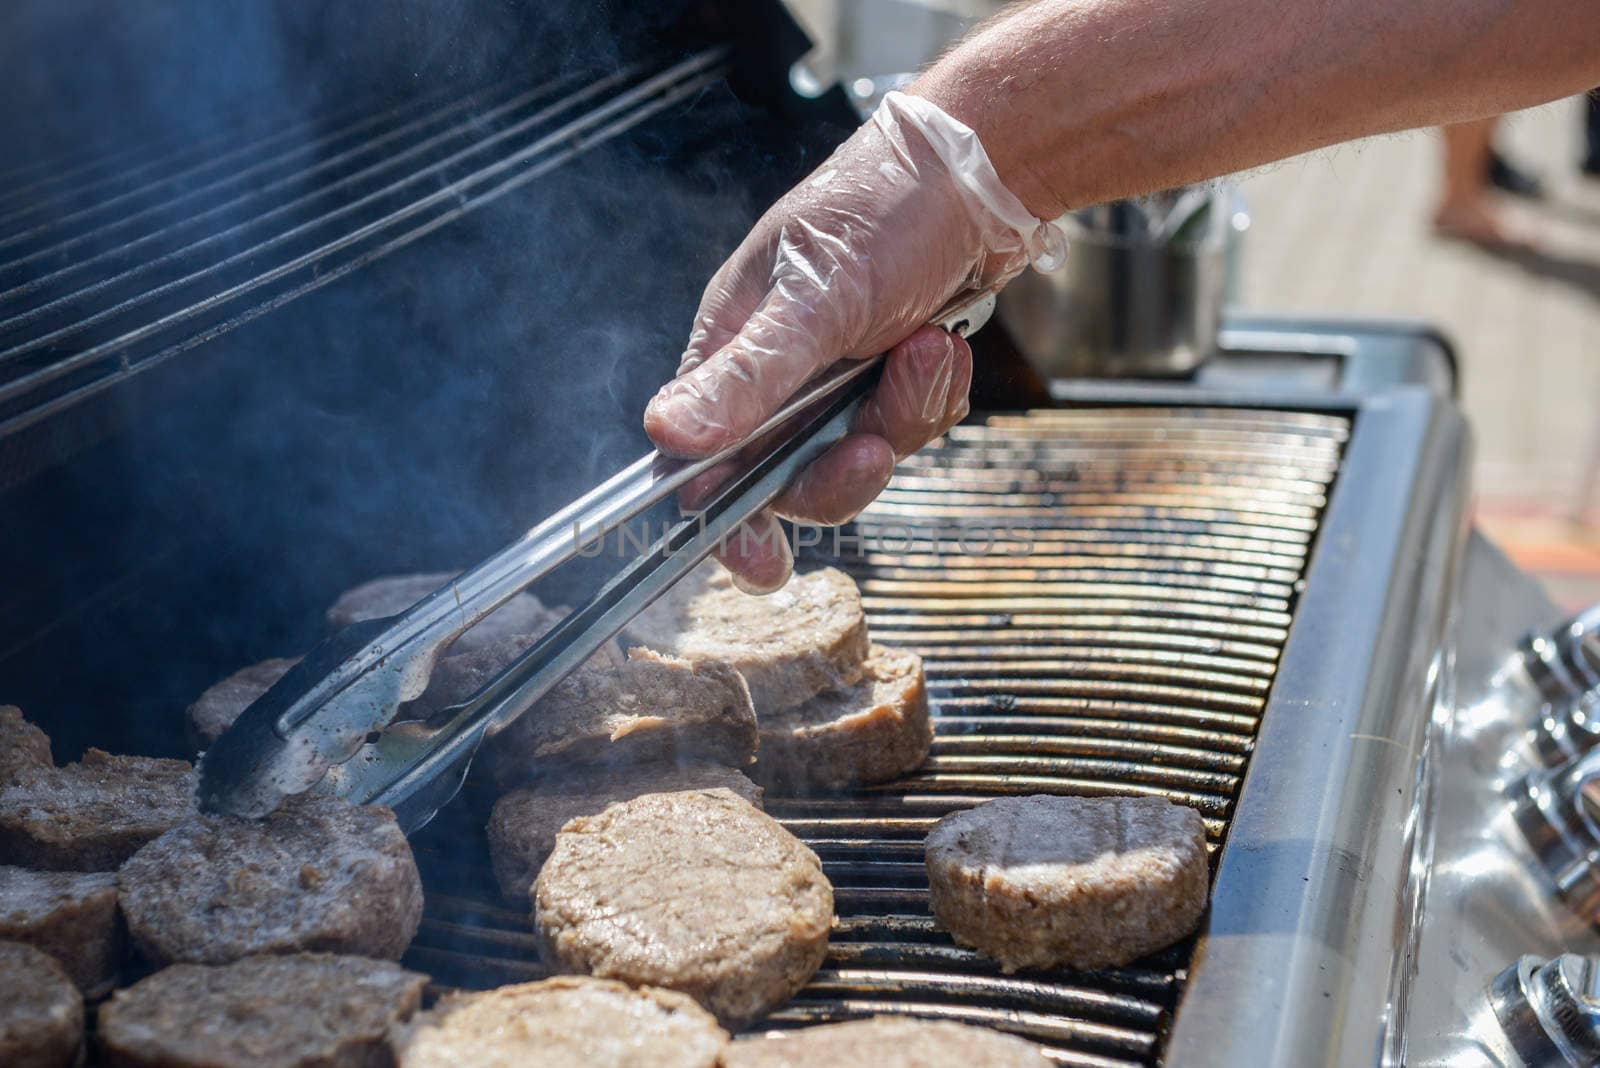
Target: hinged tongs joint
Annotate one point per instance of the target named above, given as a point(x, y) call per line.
point(329, 722)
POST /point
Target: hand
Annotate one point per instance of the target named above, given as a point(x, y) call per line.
point(853, 261)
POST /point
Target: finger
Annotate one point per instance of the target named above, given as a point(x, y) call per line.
point(757, 554)
point(839, 483)
point(925, 379)
point(694, 494)
point(730, 298)
point(960, 402)
point(726, 397)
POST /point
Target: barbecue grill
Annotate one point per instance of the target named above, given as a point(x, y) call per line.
point(252, 358)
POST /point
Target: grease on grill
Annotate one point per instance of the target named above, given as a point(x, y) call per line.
point(1130, 652)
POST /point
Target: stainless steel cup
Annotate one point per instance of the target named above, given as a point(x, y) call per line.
point(1142, 292)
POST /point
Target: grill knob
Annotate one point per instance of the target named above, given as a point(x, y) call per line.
point(1560, 824)
point(1565, 664)
point(1564, 667)
point(1550, 1010)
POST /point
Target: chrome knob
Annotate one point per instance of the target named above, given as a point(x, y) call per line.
point(1563, 666)
point(1550, 1010)
point(1560, 825)
point(1565, 663)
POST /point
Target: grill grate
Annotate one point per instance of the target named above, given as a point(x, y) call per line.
point(1131, 652)
point(105, 276)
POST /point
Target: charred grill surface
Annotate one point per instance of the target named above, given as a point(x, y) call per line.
point(1112, 626)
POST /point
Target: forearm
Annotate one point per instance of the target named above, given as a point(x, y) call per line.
point(1083, 101)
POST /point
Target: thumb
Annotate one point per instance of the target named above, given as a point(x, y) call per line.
point(723, 398)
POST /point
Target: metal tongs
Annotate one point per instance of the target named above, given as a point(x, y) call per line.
point(328, 724)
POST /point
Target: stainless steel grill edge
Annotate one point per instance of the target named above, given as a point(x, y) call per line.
point(1315, 895)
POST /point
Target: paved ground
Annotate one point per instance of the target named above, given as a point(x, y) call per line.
point(1348, 230)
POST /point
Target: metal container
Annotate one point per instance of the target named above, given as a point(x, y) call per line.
point(1142, 292)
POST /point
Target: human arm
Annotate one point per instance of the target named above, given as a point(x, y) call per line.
point(1075, 102)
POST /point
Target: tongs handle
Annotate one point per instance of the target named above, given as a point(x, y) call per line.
point(323, 712)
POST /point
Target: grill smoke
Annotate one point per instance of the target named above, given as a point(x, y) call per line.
point(412, 416)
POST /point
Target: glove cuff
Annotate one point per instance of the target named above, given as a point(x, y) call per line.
point(958, 148)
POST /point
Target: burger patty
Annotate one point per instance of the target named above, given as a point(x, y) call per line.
point(871, 732)
point(215, 710)
point(697, 891)
point(887, 1042)
point(522, 614)
point(22, 745)
point(261, 1012)
point(525, 822)
point(455, 678)
point(1081, 882)
point(461, 675)
point(92, 815)
point(41, 1011)
point(652, 707)
point(564, 1023)
point(70, 915)
point(790, 645)
point(318, 874)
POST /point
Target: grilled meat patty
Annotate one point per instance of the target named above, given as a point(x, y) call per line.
point(460, 675)
point(455, 677)
point(68, 914)
point(567, 1022)
point(215, 710)
point(697, 891)
point(319, 874)
point(41, 1011)
point(652, 707)
point(790, 645)
point(871, 732)
point(391, 594)
point(886, 1042)
point(1081, 882)
point(22, 745)
point(92, 815)
point(297, 1011)
point(525, 822)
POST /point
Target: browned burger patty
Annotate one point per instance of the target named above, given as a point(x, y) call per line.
point(790, 645)
point(652, 707)
point(564, 1023)
point(1084, 882)
point(299, 1011)
point(460, 675)
point(524, 824)
point(871, 732)
point(522, 614)
point(698, 892)
point(92, 815)
point(41, 1011)
point(886, 1042)
point(215, 710)
point(70, 915)
point(22, 745)
point(318, 874)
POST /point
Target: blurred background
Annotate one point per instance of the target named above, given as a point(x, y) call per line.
point(1349, 231)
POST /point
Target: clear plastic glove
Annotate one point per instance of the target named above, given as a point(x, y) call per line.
point(853, 261)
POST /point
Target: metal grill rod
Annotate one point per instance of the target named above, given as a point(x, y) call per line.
point(160, 154)
point(194, 219)
point(47, 339)
point(387, 163)
point(538, 159)
point(207, 159)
